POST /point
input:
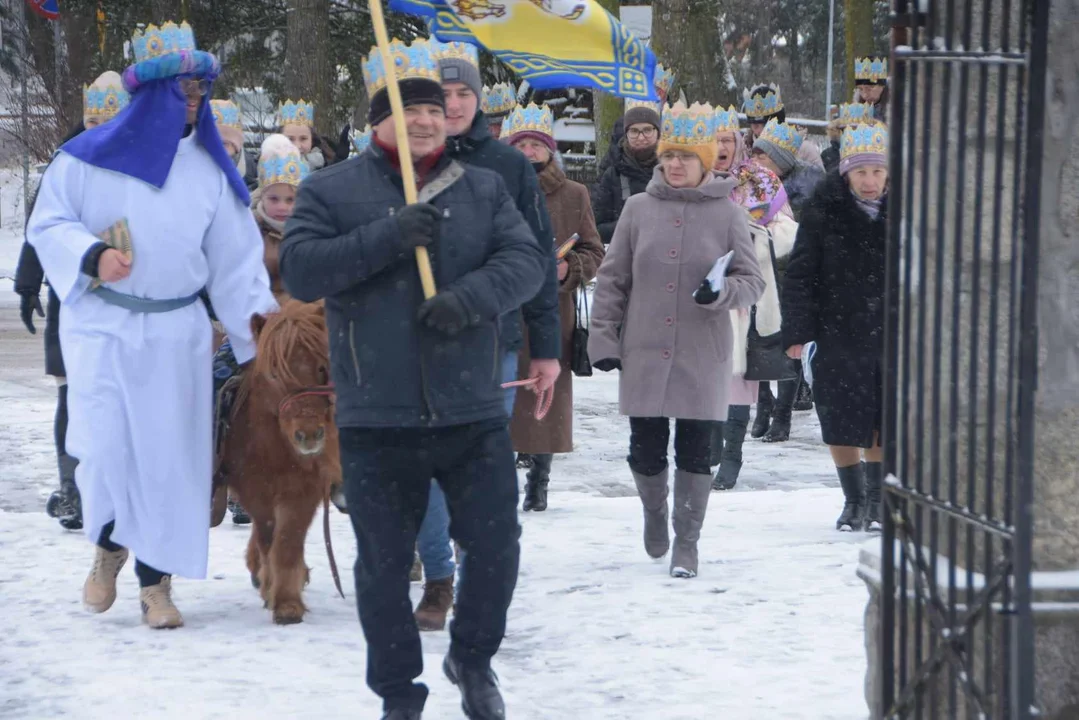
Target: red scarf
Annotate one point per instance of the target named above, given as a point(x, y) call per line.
point(422, 167)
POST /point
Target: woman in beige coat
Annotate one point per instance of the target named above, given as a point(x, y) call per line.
point(661, 316)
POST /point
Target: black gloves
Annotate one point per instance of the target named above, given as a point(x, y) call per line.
point(444, 312)
point(705, 295)
point(418, 224)
point(607, 364)
point(28, 303)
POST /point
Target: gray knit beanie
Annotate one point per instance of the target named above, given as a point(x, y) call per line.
point(641, 114)
point(784, 159)
point(455, 70)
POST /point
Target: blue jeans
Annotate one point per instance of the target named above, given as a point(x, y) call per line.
point(433, 540)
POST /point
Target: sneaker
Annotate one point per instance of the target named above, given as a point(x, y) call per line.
point(99, 590)
point(157, 609)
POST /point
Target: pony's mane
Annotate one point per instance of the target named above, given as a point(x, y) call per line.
point(298, 326)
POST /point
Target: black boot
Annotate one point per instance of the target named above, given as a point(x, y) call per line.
point(65, 505)
point(480, 698)
point(734, 435)
point(715, 449)
point(874, 473)
point(852, 480)
point(804, 399)
point(402, 714)
point(536, 487)
point(239, 515)
point(780, 431)
point(765, 403)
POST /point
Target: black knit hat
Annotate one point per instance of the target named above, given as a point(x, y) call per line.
point(414, 91)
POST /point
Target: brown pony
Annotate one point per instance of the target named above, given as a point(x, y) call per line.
point(280, 456)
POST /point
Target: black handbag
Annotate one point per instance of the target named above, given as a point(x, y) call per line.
point(579, 362)
point(766, 358)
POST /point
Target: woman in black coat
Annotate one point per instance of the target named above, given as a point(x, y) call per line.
point(833, 297)
point(64, 503)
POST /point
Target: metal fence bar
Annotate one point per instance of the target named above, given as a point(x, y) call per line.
point(1023, 647)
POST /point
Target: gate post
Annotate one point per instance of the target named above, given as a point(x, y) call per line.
point(972, 416)
point(1055, 543)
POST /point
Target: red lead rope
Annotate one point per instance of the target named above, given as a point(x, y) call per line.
point(543, 399)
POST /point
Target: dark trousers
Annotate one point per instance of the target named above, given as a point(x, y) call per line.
point(649, 438)
point(148, 576)
point(65, 462)
point(387, 475)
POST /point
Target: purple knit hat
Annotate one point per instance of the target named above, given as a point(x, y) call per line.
point(544, 138)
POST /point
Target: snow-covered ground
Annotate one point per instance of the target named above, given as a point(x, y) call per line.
point(772, 628)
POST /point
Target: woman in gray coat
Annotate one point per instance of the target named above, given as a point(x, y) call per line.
point(681, 258)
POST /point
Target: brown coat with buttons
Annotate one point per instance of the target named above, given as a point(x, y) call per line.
point(570, 209)
point(675, 354)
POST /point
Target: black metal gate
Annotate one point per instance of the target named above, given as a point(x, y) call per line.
point(967, 112)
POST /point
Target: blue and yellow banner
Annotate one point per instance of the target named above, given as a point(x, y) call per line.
point(550, 43)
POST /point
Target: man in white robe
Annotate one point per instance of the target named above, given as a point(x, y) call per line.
point(136, 340)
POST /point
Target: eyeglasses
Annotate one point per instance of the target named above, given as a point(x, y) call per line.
point(190, 86)
point(635, 133)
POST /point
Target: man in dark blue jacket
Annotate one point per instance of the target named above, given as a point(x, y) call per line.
point(418, 382)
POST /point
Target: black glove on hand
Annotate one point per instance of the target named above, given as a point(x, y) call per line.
point(705, 295)
point(418, 224)
point(444, 312)
point(28, 303)
point(607, 364)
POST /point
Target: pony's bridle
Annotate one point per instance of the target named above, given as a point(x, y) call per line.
point(326, 391)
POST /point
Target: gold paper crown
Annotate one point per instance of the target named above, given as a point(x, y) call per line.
point(415, 61)
point(531, 118)
point(762, 106)
point(782, 135)
point(226, 114)
point(695, 125)
point(656, 107)
point(154, 41)
point(863, 139)
point(455, 51)
point(662, 81)
point(103, 99)
point(873, 70)
point(727, 120)
point(299, 112)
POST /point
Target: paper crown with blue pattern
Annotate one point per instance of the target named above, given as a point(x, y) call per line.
point(455, 51)
point(870, 71)
point(762, 106)
point(531, 118)
point(691, 130)
point(656, 107)
point(855, 114)
point(663, 81)
point(863, 145)
point(727, 120)
point(103, 99)
point(280, 162)
point(414, 61)
point(166, 52)
point(226, 114)
point(298, 112)
point(155, 42)
point(782, 135)
point(498, 100)
point(359, 141)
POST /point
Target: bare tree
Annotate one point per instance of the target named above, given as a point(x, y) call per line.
point(685, 36)
point(860, 38)
point(309, 74)
point(165, 10)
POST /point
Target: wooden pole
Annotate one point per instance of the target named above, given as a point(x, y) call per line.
point(408, 177)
